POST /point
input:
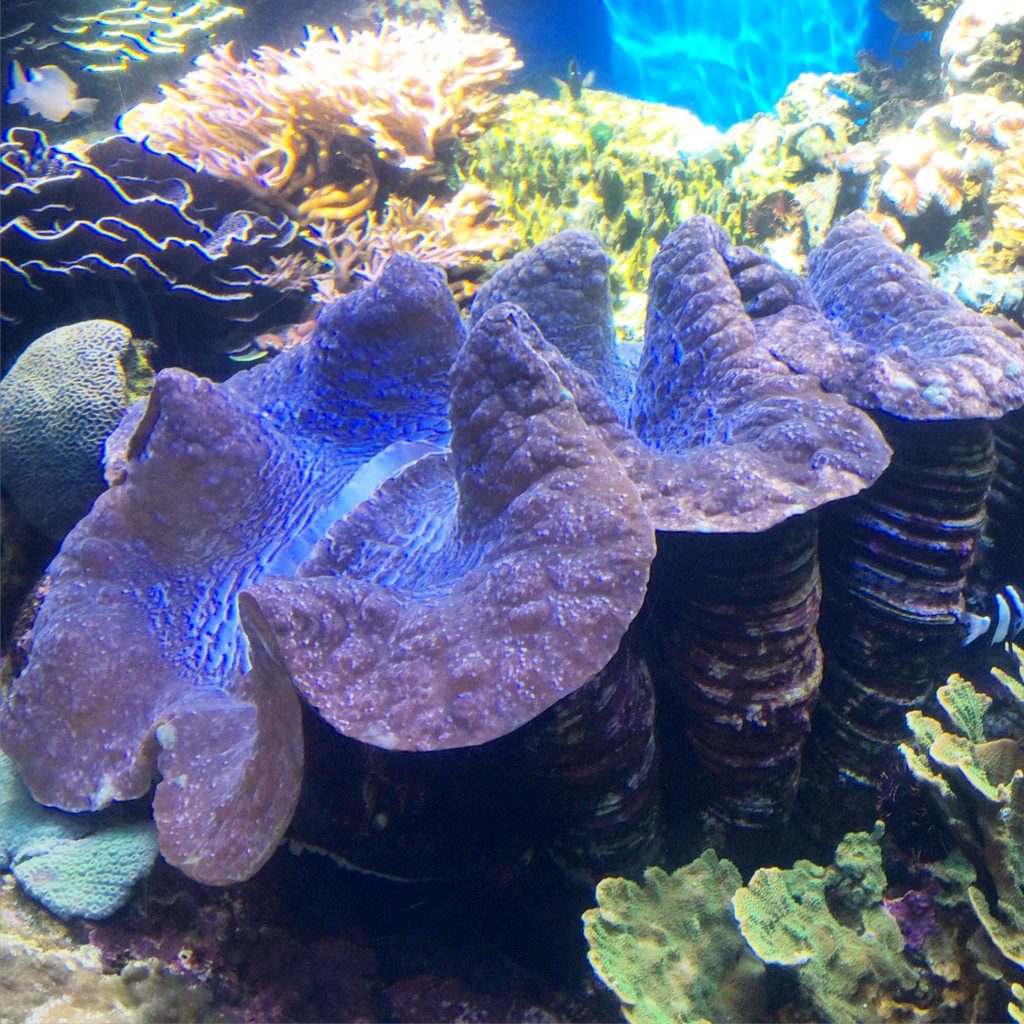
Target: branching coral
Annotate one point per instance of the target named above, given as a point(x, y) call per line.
point(304, 125)
point(461, 235)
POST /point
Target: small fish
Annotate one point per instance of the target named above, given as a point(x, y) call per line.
point(1004, 624)
point(576, 81)
point(48, 91)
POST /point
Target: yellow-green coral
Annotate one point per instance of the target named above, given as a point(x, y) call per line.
point(669, 948)
point(978, 784)
point(605, 163)
point(832, 926)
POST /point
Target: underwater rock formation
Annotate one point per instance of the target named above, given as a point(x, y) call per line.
point(214, 486)
point(148, 242)
point(58, 402)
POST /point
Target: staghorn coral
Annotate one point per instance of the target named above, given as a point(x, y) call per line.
point(149, 598)
point(125, 232)
point(58, 403)
point(306, 127)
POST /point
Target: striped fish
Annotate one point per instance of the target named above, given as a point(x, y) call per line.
point(1004, 623)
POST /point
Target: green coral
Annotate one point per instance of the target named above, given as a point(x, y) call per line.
point(978, 783)
point(669, 948)
point(58, 403)
point(832, 926)
point(75, 865)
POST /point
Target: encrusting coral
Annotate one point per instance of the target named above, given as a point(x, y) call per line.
point(75, 865)
point(58, 402)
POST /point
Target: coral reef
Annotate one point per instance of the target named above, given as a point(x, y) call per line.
point(141, 30)
point(982, 48)
point(357, 161)
point(147, 596)
point(58, 402)
point(832, 925)
point(135, 236)
point(75, 865)
point(48, 974)
point(978, 783)
point(462, 235)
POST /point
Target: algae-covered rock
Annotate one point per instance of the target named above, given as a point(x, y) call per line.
point(669, 948)
point(58, 403)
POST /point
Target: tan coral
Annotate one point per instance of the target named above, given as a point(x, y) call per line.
point(919, 172)
point(981, 33)
point(460, 235)
point(302, 125)
point(1007, 199)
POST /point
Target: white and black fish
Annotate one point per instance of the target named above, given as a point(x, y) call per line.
point(1005, 621)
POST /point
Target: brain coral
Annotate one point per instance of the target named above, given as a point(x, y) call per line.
point(58, 403)
point(214, 486)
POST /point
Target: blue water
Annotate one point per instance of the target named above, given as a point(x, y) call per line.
point(723, 59)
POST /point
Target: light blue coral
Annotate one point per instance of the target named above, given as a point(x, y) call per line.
point(75, 865)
